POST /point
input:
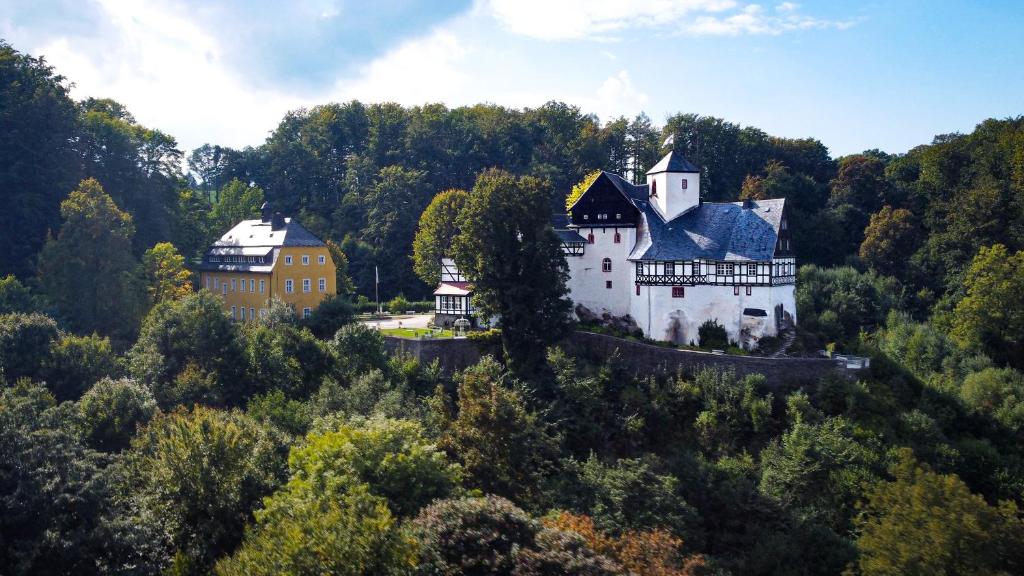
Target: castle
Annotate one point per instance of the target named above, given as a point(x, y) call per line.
point(655, 257)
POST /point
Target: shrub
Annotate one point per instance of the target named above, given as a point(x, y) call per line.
point(711, 334)
point(111, 411)
point(398, 304)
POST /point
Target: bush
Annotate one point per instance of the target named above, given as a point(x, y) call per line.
point(111, 411)
point(330, 316)
point(398, 304)
point(78, 362)
point(25, 341)
point(712, 335)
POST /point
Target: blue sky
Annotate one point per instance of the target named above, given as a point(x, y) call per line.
point(855, 75)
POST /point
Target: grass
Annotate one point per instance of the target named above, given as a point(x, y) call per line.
point(417, 332)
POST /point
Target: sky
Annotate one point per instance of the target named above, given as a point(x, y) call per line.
point(856, 75)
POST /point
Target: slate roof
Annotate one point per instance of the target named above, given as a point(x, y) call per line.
point(711, 231)
point(560, 222)
point(260, 233)
point(673, 162)
point(257, 238)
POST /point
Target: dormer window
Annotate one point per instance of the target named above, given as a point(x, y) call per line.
point(586, 217)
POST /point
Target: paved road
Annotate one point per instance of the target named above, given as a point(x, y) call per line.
point(406, 321)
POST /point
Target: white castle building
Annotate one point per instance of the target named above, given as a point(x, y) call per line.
point(655, 256)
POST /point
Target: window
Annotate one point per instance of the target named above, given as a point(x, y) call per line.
point(207, 282)
point(242, 287)
point(263, 312)
point(590, 238)
point(224, 287)
point(263, 286)
point(618, 216)
point(305, 260)
point(234, 309)
point(234, 284)
point(750, 290)
point(606, 265)
point(307, 312)
point(783, 225)
point(252, 285)
point(216, 283)
point(608, 284)
point(289, 286)
point(618, 238)
point(678, 291)
point(243, 312)
point(670, 268)
point(751, 269)
point(252, 313)
point(684, 183)
point(321, 259)
point(637, 289)
point(724, 269)
point(307, 285)
point(654, 189)
point(323, 284)
point(287, 260)
point(586, 216)
point(735, 290)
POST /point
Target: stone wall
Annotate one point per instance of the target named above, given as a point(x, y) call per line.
point(642, 359)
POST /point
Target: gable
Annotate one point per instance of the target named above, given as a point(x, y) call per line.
point(603, 205)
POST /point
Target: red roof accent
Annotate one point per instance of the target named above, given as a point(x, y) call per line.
point(453, 289)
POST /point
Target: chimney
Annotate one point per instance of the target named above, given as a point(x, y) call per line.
point(748, 203)
point(265, 212)
point(277, 221)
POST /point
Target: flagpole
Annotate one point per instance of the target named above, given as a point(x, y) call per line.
point(376, 287)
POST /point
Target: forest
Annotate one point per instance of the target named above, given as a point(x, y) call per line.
point(144, 432)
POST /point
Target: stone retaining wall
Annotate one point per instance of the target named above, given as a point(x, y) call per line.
point(457, 353)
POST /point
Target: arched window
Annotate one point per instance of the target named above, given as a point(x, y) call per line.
point(654, 188)
point(606, 265)
point(590, 238)
point(618, 238)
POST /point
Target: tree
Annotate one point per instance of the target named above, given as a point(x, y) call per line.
point(359, 349)
point(506, 245)
point(166, 275)
point(392, 457)
point(199, 474)
point(189, 350)
point(343, 282)
point(580, 187)
point(437, 229)
point(15, 297)
point(889, 238)
point(25, 341)
point(990, 318)
point(286, 358)
point(302, 533)
point(77, 362)
point(928, 523)
point(236, 201)
point(505, 448)
point(112, 410)
point(88, 270)
point(37, 147)
point(997, 393)
point(331, 315)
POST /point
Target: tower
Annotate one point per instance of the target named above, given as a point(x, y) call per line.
point(673, 185)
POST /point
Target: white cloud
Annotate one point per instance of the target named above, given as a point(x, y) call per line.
point(617, 96)
point(606, 20)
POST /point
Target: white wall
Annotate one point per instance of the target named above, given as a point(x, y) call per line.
point(587, 281)
point(672, 200)
point(663, 317)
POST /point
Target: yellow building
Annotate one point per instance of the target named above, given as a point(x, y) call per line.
point(274, 256)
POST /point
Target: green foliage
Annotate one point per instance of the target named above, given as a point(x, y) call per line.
point(333, 313)
point(15, 298)
point(166, 275)
point(991, 316)
point(506, 245)
point(505, 448)
point(286, 358)
point(359, 349)
point(438, 227)
point(928, 523)
point(734, 411)
point(711, 334)
point(302, 534)
point(276, 409)
point(579, 188)
point(392, 457)
point(199, 475)
point(997, 393)
point(77, 362)
point(189, 350)
point(398, 305)
point(839, 302)
point(890, 235)
point(88, 271)
point(111, 411)
point(25, 341)
point(236, 201)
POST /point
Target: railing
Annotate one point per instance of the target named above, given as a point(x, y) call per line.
point(665, 280)
point(777, 280)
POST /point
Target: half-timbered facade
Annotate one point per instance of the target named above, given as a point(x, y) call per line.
point(656, 253)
